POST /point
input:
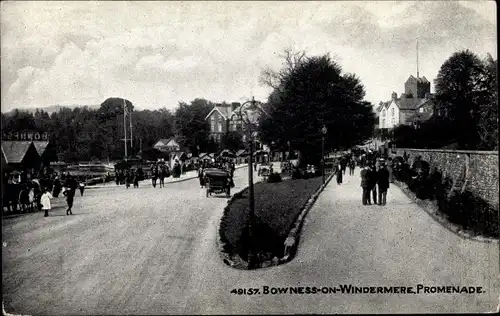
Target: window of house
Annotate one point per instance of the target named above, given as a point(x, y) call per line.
point(383, 113)
point(393, 121)
point(219, 127)
point(212, 126)
point(392, 111)
point(383, 123)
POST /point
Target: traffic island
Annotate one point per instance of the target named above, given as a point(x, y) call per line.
point(280, 209)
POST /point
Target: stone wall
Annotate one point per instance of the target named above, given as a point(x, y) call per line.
point(476, 170)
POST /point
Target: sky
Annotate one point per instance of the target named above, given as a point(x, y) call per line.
point(156, 54)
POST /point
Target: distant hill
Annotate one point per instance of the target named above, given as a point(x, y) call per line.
point(52, 108)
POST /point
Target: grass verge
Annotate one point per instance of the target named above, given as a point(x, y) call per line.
point(277, 206)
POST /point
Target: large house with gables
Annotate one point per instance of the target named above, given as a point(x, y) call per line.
point(224, 118)
point(413, 106)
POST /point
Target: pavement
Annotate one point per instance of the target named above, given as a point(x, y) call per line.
point(153, 251)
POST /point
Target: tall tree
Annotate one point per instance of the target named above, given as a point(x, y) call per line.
point(309, 93)
point(463, 92)
point(191, 129)
point(232, 140)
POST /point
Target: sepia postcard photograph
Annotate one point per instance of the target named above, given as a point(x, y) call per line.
point(249, 157)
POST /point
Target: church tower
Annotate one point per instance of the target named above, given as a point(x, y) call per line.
point(417, 87)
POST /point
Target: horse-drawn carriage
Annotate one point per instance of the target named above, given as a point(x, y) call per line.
point(217, 181)
point(23, 197)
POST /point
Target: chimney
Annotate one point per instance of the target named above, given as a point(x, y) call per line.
point(394, 95)
point(235, 105)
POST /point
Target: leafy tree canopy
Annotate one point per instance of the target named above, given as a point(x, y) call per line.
point(309, 93)
point(466, 94)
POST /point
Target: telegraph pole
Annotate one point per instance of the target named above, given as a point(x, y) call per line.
point(125, 126)
point(130, 120)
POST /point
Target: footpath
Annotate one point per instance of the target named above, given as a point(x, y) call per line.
point(399, 244)
point(189, 175)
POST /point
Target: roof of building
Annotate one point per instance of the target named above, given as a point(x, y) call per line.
point(201, 155)
point(419, 117)
point(227, 112)
point(224, 110)
point(405, 104)
point(15, 151)
point(419, 79)
point(409, 103)
point(164, 141)
point(40, 146)
point(382, 105)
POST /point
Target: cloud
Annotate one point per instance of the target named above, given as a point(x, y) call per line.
point(157, 53)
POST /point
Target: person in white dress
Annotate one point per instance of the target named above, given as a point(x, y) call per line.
point(45, 201)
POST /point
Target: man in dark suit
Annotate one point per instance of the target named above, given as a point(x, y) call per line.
point(71, 186)
point(365, 185)
point(383, 184)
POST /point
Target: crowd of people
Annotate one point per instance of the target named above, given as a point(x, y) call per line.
point(376, 174)
point(26, 191)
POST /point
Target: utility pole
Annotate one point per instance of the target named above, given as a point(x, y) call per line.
point(130, 120)
point(125, 126)
point(417, 61)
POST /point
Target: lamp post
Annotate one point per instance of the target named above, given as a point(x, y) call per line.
point(288, 158)
point(323, 133)
point(250, 119)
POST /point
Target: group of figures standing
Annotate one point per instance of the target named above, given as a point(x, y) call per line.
point(29, 192)
point(376, 174)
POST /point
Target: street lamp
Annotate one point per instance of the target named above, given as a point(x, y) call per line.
point(324, 130)
point(249, 116)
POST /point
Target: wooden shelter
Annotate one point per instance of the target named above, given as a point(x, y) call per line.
point(20, 155)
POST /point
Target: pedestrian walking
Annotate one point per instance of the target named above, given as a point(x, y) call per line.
point(372, 176)
point(82, 188)
point(343, 165)
point(162, 175)
point(365, 185)
point(201, 176)
point(71, 185)
point(137, 175)
point(339, 173)
point(390, 169)
point(383, 184)
point(57, 187)
point(352, 166)
point(45, 201)
point(154, 176)
point(128, 178)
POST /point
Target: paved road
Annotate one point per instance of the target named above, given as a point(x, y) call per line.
point(144, 252)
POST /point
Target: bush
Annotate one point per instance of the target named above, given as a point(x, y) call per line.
point(274, 178)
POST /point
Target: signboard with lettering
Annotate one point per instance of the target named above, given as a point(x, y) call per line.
point(26, 136)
